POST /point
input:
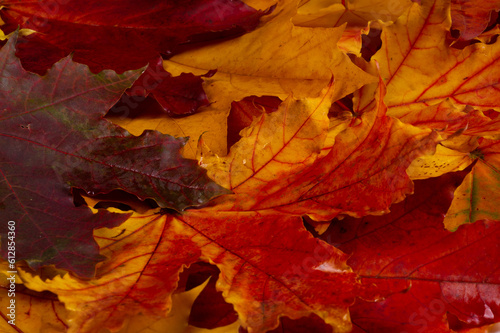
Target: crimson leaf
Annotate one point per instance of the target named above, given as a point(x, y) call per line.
point(120, 34)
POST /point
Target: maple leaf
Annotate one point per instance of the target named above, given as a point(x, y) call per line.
point(301, 154)
point(466, 77)
point(33, 311)
point(43, 312)
point(118, 35)
point(291, 175)
point(276, 272)
point(210, 124)
point(276, 59)
point(54, 138)
point(423, 271)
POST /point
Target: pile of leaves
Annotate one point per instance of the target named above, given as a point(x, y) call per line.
point(284, 165)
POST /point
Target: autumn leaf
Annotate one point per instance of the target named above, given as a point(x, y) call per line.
point(449, 93)
point(147, 114)
point(466, 77)
point(34, 316)
point(443, 161)
point(118, 35)
point(259, 149)
point(242, 73)
point(263, 278)
point(117, 301)
point(276, 59)
point(54, 138)
point(290, 175)
point(423, 271)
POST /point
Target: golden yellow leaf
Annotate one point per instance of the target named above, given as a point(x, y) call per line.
point(276, 59)
point(42, 312)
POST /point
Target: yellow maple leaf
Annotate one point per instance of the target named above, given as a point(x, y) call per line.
point(276, 59)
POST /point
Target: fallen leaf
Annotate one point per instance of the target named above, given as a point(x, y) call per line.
point(299, 156)
point(131, 274)
point(276, 59)
point(291, 177)
point(276, 272)
point(55, 139)
point(466, 77)
point(32, 315)
point(120, 35)
point(304, 125)
point(422, 270)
